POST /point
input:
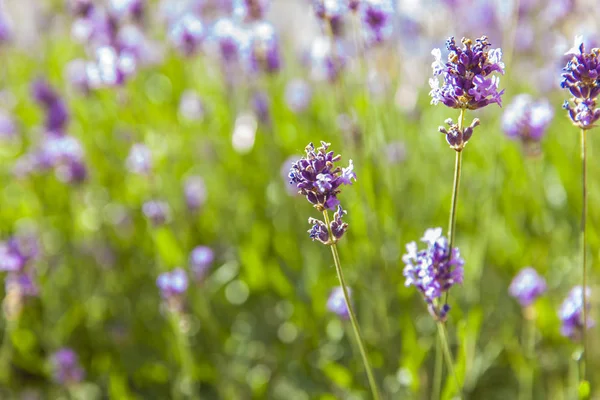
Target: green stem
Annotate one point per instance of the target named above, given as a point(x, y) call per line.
point(448, 356)
point(353, 320)
point(526, 378)
point(583, 251)
point(437, 372)
point(187, 362)
point(455, 185)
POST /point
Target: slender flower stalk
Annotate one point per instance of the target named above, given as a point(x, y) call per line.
point(581, 77)
point(448, 356)
point(318, 179)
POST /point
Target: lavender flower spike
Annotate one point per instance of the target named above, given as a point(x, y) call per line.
point(571, 313)
point(433, 270)
point(66, 367)
point(467, 80)
point(527, 119)
point(336, 303)
point(457, 138)
point(527, 286)
point(581, 77)
point(317, 177)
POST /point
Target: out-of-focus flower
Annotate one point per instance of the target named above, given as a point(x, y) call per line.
point(127, 8)
point(81, 8)
point(527, 286)
point(66, 367)
point(467, 80)
point(95, 29)
point(330, 10)
point(433, 270)
point(22, 283)
point(377, 20)
point(8, 127)
point(244, 133)
point(318, 178)
point(457, 138)
point(76, 74)
point(337, 304)
point(395, 152)
point(194, 191)
point(16, 252)
point(327, 59)
point(110, 68)
point(201, 259)
point(527, 120)
point(187, 34)
point(5, 30)
point(581, 76)
point(250, 10)
point(172, 286)
point(231, 40)
point(571, 313)
point(157, 211)
point(264, 48)
point(139, 160)
point(57, 115)
point(261, 105)
point(298, 94)
point(190, 106)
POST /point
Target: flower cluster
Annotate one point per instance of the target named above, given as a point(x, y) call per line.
point(527, 286)
point(581, 76)
point(15, 255)
point(318, 178)
point(571, 313)
point(320, 231)
point(187, 33)
point(172, 286)
point(201, 258)
point(66, 367)
point(158, 212)
point(527, 119)
point(456, 137)
point(57, 115)
point(433, 270)
point(467, 78)
point(336, 303)
point(376, 16)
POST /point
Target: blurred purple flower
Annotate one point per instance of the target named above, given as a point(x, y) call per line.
point(330, 10)
point(201, 259)
point(434, 270)
point(57, 115)
point(139, 160)
point(298, 94)
point(16, 252)
point(66, 367)
point(467, 80)
point(317, 177)
point(250, 10)
point(527, 119)
point(195, 192)
point(261, 105)
point(581, 76)
point(22, 283)
point(527, 286)
point(337, 304)
point(81, 8)
point(327, 59)
point(377, 20)
point(264, 48)
point(5, 30)
point(127, 8)
point(172, 286)
point(187, 34)
point(190, 106)
point(231, 40)
point(111, 68)
point(8, 127)
point(571, 313)
point(76, 74)
point(157, 211)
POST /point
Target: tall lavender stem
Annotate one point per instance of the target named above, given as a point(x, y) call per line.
point(448, 356)
point(456, 184)
point(583, 250)
point(353, 320)
point(437, 372)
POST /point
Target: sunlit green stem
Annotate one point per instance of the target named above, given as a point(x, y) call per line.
point(527, 374)
point(583, 251)
point(455, 185)
point(448, 356)
point(437, 372)
point(353, 320)
point(187, 362)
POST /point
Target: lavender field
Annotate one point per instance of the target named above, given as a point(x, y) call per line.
point(299, 199)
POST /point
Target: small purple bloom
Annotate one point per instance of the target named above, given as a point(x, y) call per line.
point(187, 34)
point(172, 285)
point(66, 367)
point(201, 258)
point(57, 115)
point(336, 303)
point(467, 82)
point(317, 177)
point(139, 160)
point(330, 10)
point(195, 192)
point(250, 10)
point(527, 286)
point(526, 119)
point(298, 95)
point(261, 105)
point(327, 59)
point(338, 227)
point(230, 39)
point(16, 252)
point(127, 8)
point(111, 68)
point(376, 16)
point(571, 313)
point(433, 270)
point(264, 48)
point(285, 170)
point(157, 211)
point(318, 231)
point(456, 138)
point(22, 283)
point(8, 127)
point(581, 76)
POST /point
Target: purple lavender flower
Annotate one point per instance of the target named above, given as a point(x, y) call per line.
point(581, 76)
point(187, 34)
point(467, 81)
point(66, 367)
point(317, 177)
point(298, 95)
point(318, 231)
point(139, 160)
point(22, 283)
point(127, 8)
point(8, 127)
point(571, 313)
point(527, 286)
point(264, 48)
point(231, 40)
point(330, 10)
point(157, 211)
point(338, 227)
point(16, 252)
point(111, 67)
point(57, 115)
point(434, 270)
point(261, 105)
point(195, 192)
point(81, 8)
point(337, 304)
point(376, 16)
point(201, 258)
point(76, 74)
point(327, 59)
point(5, 31)
point(172, 286)
point(526, 119)
point(250, 10)
point(456, 138)
point(190, 106)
